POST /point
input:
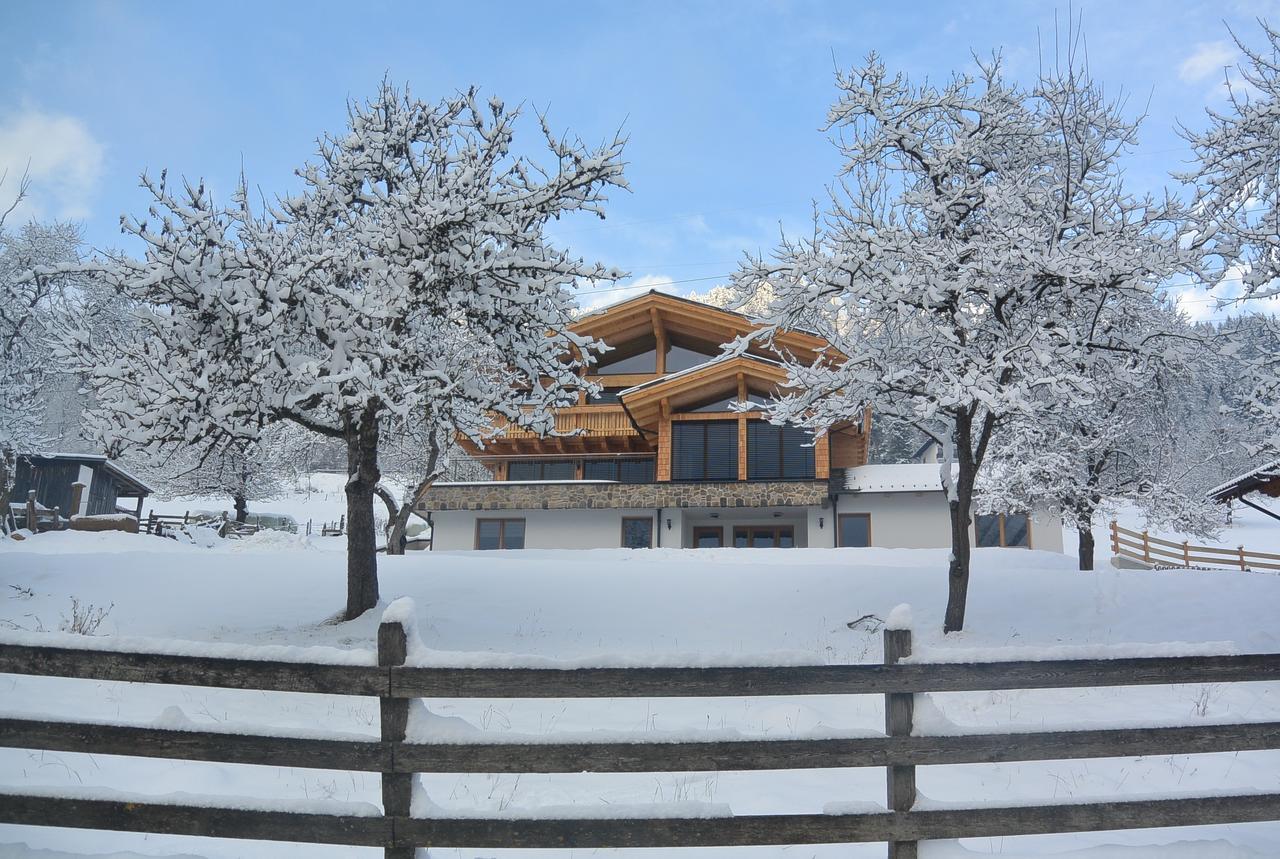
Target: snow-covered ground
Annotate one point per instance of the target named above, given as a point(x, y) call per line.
point(619, 607)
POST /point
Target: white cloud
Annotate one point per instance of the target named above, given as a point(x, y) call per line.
point(61, 158)
point(1207, 59)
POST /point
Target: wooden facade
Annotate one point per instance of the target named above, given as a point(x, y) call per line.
point(52, 476)
point(665, 368)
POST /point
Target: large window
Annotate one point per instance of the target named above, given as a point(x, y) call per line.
point(638, 356)
point(778, 452)
point(764, 537)
point(621, 470)
point(708, 537)
point(1008, 530)
point(637, 532)
point(541, 469)
point(499, 533)
point(855, 529)
point(704, 450)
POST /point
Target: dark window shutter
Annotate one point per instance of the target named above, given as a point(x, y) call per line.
point(688, 450)
point(764, 456)
point(489, 534)
point(636, 470)
point(797, 452)
point(722, 450)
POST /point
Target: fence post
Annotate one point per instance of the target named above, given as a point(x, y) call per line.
point(151, 522)
point(1146, 546)
point(77, 498)
point(899, 710)
point(32, 525)
point(1186, 555)
point(397, 788)
point(1115, 538)
point(1243, 564)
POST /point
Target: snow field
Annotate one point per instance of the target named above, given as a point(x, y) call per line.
point(612, 607)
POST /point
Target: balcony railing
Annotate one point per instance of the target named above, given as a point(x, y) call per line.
point(608, 420)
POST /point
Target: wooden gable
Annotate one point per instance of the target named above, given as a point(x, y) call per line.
point(666, 320)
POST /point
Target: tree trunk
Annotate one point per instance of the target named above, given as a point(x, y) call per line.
point(8, 467)
point(961, 506)
point(398, 514)
point(1084, 521)
point(362, 542)
point(396, 526)
point(1086, 548)
point(242, 509)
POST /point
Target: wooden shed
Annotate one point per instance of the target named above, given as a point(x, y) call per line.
point(51, 475)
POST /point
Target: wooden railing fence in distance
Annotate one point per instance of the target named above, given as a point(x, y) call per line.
point(397, 761)
point(1141, 546)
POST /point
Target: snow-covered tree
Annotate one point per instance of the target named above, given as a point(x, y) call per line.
point(1234, 222)
point(29, 311)
point(1128, 445)
point(341, 307)
point(1235, 219)
point(975, 226)
point(241, 471)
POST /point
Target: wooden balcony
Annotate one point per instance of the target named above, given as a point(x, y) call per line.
point(579, 429)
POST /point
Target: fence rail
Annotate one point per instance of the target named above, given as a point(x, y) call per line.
point(397, 760)
point(1141, 546)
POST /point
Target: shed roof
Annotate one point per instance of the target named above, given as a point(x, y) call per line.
point(1265, 478)
point(133, 484)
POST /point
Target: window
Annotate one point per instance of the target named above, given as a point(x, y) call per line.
point(639, 356)
point(541, 469)
point(680, 358)
point(621, 470)
point(637, 532)
point(704, 450)
point(499, 533)
point(606, 397)
point(763, 537)
point(1009, 530)
point(855, 529)
point(708, 538)
point(775, 452)
point(728, 403)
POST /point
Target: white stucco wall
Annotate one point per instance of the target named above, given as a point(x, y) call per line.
point(899, 520)
point(921, 520)
point(543, 529)
point(903, 520)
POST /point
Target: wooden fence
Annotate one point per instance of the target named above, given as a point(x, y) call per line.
point(1141, 546)
point(161, 524)
point(395, 684)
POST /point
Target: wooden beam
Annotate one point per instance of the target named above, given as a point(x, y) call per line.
point(779, 829)
point(825, 679)
point(660, 338)
point(133, 816)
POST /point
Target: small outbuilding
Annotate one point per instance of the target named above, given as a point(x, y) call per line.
point(52, 476)
point(1264, 479)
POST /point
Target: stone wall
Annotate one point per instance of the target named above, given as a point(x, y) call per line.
point(585, 496)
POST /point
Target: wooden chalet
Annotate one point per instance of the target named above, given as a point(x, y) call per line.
point(666, 419)
point(665, 377)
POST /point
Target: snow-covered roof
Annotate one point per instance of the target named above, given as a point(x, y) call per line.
point(1245, 483)
point(111, 464)
point(894, 477)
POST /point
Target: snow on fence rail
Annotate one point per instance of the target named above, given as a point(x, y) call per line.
point(1141, 546)
point(396, 760)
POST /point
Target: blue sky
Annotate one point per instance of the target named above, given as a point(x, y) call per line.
point(722, 101)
